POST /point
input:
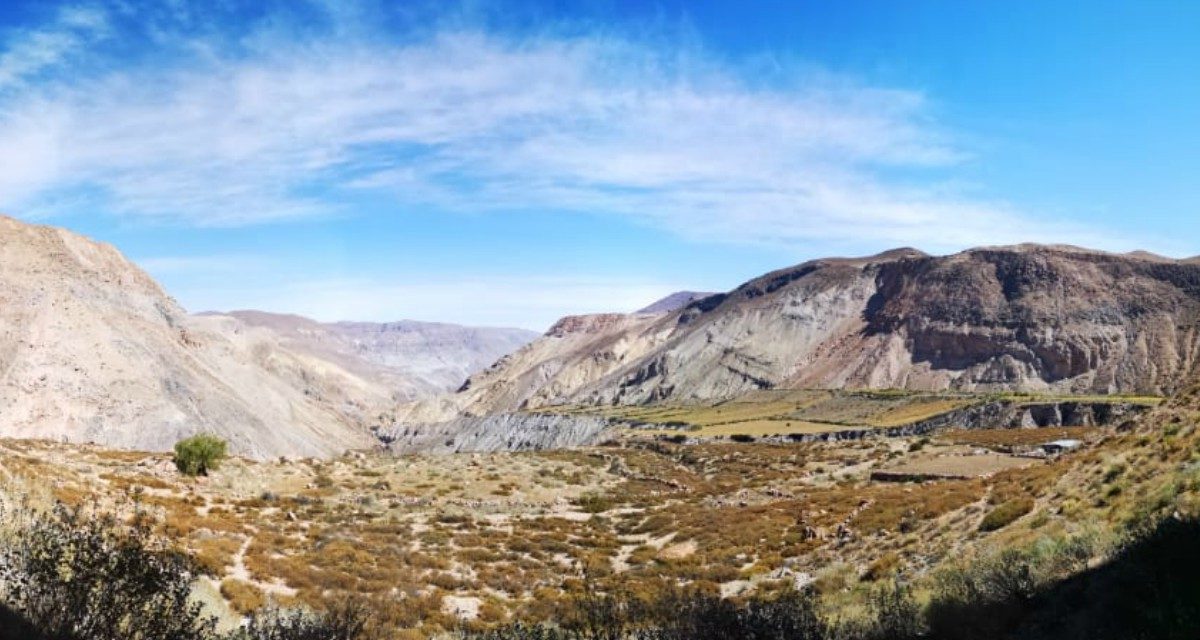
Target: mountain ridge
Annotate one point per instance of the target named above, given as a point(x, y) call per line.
point(416, 358)
point(674, 301)
point(1052, 318)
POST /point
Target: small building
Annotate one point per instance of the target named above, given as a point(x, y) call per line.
point(1061, 446)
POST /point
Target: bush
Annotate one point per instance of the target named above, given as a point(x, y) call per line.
point(594, 503)
point(345, 621)
point(1005, 514)
point(1148, 588)
point(692, 614)
point(199, 454)
point(73, 575)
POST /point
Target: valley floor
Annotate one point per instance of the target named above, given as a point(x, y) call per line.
point(477, 539)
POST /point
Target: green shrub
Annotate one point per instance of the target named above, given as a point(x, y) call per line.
point(199, 454)
point(692, 614)
point(1006, 513)
point(594, 503)
point(74, 575)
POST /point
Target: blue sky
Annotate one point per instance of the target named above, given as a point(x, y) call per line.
point(508, 163)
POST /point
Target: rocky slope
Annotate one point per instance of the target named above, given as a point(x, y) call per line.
point(573, 354)
point(499, 432)
point(92, 350)
point(674, 302)
point(1033, 318)
point(413, 359)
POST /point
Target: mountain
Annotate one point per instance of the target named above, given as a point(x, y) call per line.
point(413, 359)
point(93, 350)
point(1029, 317)
point(673, 302)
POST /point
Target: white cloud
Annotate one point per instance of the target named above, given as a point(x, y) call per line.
point(471, 121)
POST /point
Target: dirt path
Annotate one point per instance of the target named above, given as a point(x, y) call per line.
point(238, 571)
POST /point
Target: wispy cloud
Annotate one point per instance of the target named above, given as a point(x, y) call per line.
point(292, 124)
point(28, 53)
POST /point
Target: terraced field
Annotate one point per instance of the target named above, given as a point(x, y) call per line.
point(784, 412)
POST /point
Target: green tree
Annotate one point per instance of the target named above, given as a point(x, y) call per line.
point(197, 455)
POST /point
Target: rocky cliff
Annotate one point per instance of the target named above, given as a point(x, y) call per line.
point(1028, 318)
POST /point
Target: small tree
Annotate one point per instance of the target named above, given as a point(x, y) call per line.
point(197, 455)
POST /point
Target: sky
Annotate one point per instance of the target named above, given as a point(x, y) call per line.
point(507, 163)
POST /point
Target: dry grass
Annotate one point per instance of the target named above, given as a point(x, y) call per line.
point(915, 411)
point(516, 532)
point(963, 465)
point(994, 438)
point(243, 597)
point(215, 554)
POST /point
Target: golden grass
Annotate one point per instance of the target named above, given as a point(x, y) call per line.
point(767, 427)
point(407, 532)
point(243, 597)
point(917, 411)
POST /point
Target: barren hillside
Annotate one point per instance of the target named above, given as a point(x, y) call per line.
point(92, 350)
point(1028, 318)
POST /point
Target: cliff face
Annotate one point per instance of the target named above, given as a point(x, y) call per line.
point(1033, 318)
point(1043, 318)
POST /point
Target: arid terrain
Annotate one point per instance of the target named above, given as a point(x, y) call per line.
point(836, 428)
point(478, 539)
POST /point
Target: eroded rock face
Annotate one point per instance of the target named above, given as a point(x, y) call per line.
point(501, 432)
point(1043, 318)
point(1026, 318)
